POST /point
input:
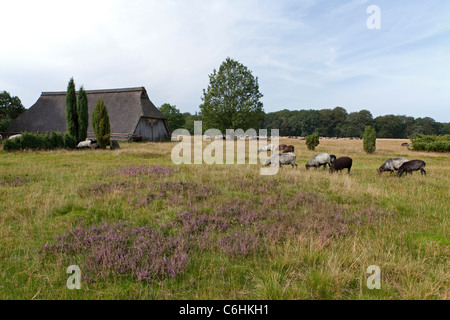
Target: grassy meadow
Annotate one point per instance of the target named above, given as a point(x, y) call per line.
point(222, 231)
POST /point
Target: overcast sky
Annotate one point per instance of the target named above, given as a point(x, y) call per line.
point(307, 54)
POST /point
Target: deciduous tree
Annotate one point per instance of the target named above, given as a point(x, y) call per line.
point(10, 108)
point(232, 99)
point(175, 118)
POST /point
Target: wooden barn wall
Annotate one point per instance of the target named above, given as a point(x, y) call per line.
point(152, 129)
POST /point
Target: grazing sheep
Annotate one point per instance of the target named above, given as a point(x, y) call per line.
point(289, 149)
point(86, 144)
point(410, 166)
point(15, 137)
point(341, 164)
point(391, 165)
point(405, 144)
point(269, 147)
point(283, 159)
point(320, 160)
point(281, 147)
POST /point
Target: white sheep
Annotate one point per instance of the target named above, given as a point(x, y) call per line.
point(269, 147)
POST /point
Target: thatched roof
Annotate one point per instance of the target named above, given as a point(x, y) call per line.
point(125, 108)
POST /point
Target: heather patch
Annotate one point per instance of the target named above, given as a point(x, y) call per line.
point(177, 193)
point(99, 189)
point(13, 181)
point(189, 190)
point(143, 193)
point(241, 243)
point(272, 220)
point(309, 213)
point(137, 171)
point(236, 227)
point(257, 185)
point(118, 250)
point(230, 214)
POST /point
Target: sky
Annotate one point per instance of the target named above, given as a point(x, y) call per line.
point(307, 54)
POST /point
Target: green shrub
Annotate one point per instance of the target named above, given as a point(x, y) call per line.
point(70, 142)
point(312, 141)
point(12, 145)
point(431, 143)
point(419, 146)
point(32, 141)
point(370, 139)
point(56, 140)
point(46, 143)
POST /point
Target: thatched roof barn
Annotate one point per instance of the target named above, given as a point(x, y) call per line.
point(130, 113)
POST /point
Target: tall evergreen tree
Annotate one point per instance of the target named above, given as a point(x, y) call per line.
point(100, 123)
point(370, 139)
point(83, 114)
point(71, 110)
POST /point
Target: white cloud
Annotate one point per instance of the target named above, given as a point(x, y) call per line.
point(306, 54)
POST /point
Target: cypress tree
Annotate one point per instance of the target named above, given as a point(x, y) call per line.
point(100, 123)
point(71, 110)
point(370, 139)
point(83, 114)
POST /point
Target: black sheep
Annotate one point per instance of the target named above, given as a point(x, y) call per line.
point(410, 166)
point(341, 164)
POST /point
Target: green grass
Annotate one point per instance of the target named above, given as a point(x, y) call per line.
point(45, 194)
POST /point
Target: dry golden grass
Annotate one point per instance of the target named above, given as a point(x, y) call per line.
point(40, 197)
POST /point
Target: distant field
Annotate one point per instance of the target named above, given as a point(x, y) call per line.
point(222, 231)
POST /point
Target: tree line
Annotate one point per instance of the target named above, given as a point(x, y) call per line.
point(326, 123)
point(338, 123)
point(10, 108)
point(232, 101)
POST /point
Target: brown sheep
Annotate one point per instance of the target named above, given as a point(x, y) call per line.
point(289, 149)
point(342, 163)
point(410, 166)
